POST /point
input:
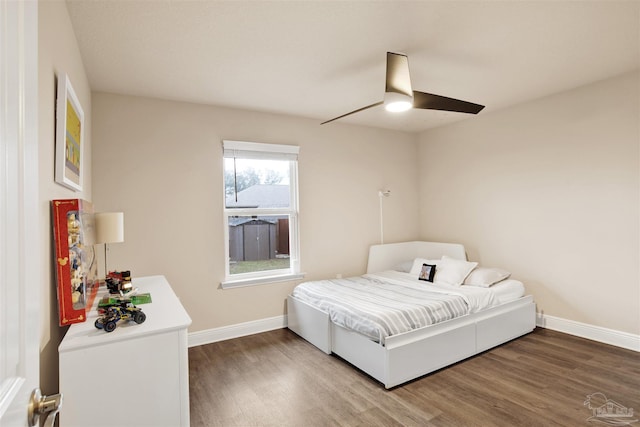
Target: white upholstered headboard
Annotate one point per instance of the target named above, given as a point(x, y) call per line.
point(385, 257)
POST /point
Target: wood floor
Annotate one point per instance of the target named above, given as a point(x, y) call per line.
point(278, 379)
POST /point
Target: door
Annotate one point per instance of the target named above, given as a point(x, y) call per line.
point(256, 241)
point(19, 219)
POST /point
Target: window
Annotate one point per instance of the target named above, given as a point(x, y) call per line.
point(260, 213)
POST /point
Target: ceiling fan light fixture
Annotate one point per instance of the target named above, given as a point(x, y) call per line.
point(398, 106)
point(397, 102)
point(400, 96)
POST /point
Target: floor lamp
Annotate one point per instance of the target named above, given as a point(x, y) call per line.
point(109, 229)
point(382, 194)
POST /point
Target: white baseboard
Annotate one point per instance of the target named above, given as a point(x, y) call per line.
point(591, 332)
point(236, 331)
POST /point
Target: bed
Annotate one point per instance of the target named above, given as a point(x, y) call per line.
point(396, 358)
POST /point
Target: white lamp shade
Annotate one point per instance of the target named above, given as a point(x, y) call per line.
point(109, 227)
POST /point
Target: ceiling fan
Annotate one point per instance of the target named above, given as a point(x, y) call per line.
point(399, 96)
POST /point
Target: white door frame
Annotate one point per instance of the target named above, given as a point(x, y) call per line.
point(20, 223)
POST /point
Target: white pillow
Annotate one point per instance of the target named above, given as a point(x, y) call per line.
point(451, 271)
point(485, 276)
point(417, 265)
point(405, 267)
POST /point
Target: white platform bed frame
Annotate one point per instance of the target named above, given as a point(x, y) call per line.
point(410, 355)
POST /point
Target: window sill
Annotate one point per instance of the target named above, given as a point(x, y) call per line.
point(238, 283)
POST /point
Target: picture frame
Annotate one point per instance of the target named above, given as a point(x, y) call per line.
point(69, 136)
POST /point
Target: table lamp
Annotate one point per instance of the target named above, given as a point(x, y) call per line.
point(109, 229)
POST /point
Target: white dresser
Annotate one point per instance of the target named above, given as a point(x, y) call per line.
point(137, 375)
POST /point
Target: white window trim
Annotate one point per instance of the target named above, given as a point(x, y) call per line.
point(265, 151)
point(276, 278)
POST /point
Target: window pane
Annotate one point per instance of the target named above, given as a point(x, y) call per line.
point(251, 183)
point(258, 243)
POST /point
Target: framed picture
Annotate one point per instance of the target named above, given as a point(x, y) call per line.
point(69, 136)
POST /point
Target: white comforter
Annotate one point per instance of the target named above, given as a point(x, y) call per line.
point(389, 303)
point(477, 298)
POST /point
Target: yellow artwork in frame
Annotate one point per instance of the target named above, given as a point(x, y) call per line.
point(69, 136)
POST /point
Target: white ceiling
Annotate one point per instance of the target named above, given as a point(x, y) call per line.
point(321, 59)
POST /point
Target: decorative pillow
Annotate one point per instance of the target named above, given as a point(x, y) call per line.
point(427, 272)
point(453, 271)
point(417, 265)
point(405, 267)
point(485, 276)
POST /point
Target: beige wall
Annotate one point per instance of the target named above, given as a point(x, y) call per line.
point(550, 191)
point(160, 162)
point(57, 53)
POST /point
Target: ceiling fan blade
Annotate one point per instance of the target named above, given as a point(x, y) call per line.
point(353, 112)
point(398, 77)
point(428, 101)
